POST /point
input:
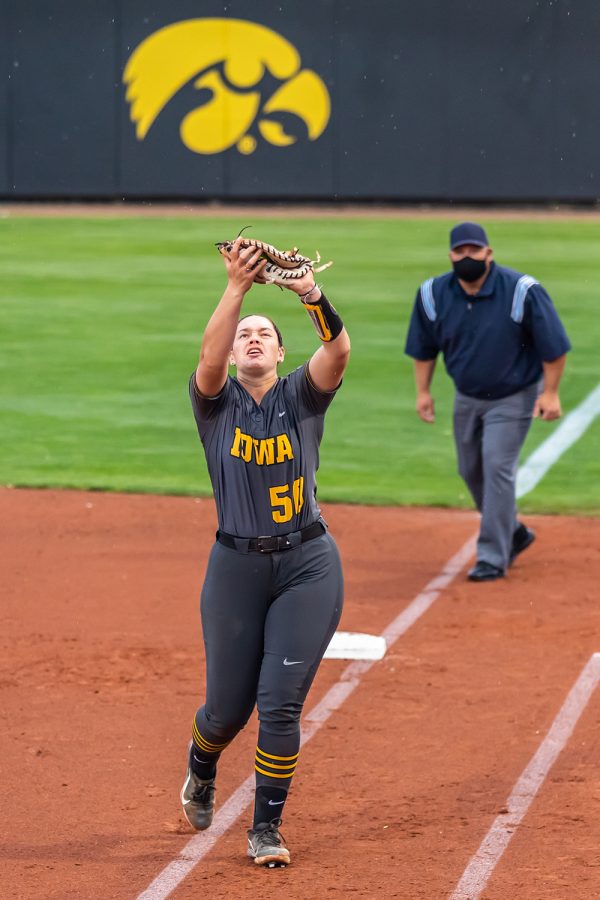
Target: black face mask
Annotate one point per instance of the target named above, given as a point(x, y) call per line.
point(469, 269)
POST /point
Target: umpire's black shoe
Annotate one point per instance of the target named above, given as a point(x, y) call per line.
point(198, 800)
point(484, 571)
point(522, 539)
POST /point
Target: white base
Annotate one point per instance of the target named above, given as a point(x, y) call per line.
point(353, 645)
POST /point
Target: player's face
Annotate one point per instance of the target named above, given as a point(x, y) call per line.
point(256, 346)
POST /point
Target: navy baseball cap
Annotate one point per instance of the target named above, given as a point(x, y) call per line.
point(468, 233)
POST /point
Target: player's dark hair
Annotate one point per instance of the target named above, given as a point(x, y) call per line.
point(269, 319)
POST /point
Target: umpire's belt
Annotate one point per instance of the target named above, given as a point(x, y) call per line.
point(271, 544)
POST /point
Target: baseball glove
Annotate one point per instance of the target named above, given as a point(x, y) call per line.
point(282, 265)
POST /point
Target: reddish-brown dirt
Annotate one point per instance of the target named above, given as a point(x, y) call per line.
point(102, 669)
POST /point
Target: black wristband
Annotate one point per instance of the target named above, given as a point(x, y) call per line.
point(324, 317)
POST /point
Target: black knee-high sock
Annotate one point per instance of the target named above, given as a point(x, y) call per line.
point(206, 747)
point(275, 763)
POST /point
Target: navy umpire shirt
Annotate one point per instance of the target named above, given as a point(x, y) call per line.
point(493, 342)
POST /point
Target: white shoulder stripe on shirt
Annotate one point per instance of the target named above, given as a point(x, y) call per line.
point(518, 304)
point(428, 299)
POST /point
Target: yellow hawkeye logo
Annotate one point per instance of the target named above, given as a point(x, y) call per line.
point(230, 58)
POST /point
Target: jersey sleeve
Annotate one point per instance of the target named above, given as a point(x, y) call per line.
point(544, 325)
point(206, 408)
point(421, 341)
point(310, 399)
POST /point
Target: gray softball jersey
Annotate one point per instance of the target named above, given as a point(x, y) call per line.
point(263, 457)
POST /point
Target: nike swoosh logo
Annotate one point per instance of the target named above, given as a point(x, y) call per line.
point(276, 802)
point(281, 414)
point(295, 662)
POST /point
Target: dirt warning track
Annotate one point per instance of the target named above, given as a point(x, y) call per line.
point(102, 669)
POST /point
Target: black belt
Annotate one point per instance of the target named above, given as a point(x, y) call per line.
point(271, 544)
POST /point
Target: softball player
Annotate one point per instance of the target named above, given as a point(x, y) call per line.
point(273, 591)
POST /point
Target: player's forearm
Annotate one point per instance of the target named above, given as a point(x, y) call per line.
point(219, 334)
point(217, 341)
point(424, 369)
point(339, 348)
point(328, 364)
point(324, 316)
point(242, 266)
point(553, 373)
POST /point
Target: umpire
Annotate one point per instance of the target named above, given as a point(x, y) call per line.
point(499, 333)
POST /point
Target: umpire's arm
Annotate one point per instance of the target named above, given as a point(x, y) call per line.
point(421, 344)
point(425, 405)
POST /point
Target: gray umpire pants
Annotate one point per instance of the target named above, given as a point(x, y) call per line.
point(489, 435)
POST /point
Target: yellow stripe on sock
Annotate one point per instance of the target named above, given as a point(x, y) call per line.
point(200, 739)
point(200, 746)
point(265, 762)
point(270, 755)
point(204, 744)
point(272, 774)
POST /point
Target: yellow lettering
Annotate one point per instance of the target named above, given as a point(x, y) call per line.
point(235, 447)
point(284, 448)
point(264, 451)
point(298, 492)
point(246, 447)
point(282, 506)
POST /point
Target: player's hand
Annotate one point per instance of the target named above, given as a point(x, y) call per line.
point(547, 406)
point(243, 266)
point(303, 286)
point(425, 407)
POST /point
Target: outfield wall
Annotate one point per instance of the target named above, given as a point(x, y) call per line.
point(336, 99)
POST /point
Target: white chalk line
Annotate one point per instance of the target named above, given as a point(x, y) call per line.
point(485, 860)
point(569, 431)
point(199, 845)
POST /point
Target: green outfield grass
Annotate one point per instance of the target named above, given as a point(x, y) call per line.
point(102, 320)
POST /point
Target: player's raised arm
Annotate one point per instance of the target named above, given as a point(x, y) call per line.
point(328, 363)
point(242, 268)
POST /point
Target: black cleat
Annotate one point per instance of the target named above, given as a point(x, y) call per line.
point(523, 538)
point(484, 571)
point(198, 800)
point(266, 847)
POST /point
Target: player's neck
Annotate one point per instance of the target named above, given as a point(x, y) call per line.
point(257, 385)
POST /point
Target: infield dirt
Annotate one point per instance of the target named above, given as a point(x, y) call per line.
point(102, 669)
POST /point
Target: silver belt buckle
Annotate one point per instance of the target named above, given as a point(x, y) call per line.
point(266, 543)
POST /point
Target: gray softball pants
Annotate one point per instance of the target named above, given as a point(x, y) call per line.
point(489, 435)
point(267, 620)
